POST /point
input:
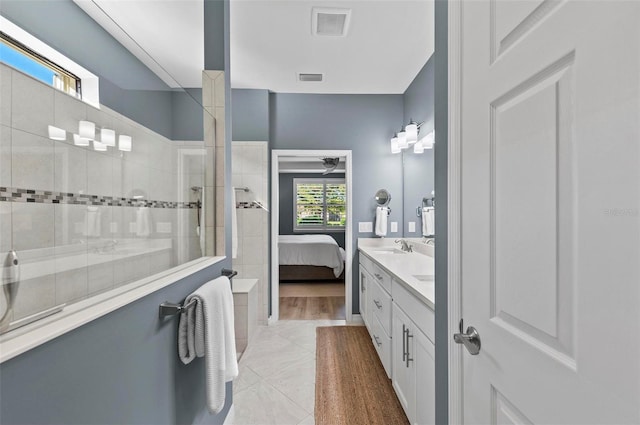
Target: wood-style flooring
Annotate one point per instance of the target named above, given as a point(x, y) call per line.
point(312, 301)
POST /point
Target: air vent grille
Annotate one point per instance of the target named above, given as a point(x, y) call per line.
point(310, 77)
point(330, 22)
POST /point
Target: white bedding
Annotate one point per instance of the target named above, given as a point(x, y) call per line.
point(311, 250)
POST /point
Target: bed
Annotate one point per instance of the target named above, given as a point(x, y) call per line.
point(310, 257)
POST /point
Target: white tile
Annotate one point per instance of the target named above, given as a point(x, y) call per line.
point(71, 285)
point(220, 164)
point(68, 112)
point(245, 379)
point(265, 405)
point(253, 252)
point(70, 173)
point(274, 356)
point(5, 156)
point(219, 86)
point(252, 159)
point(209, 169)
point(309, 420)
point(33, 225)
point(207, 91)
point(32, 104)
point(298, 383)
point(237, 161)
point(70, 224)
point(99, 174)
point(32, 160)
point(253, 223)
point(209, 123)
point(5, 95)
point(36, 295)
point(100, 278)
point(5, 227)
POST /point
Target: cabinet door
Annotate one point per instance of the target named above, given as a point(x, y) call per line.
point(425, 380)
point(404, 375)
point(364, 293)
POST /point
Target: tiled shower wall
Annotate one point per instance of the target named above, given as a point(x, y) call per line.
point(82, 221)
point(249, 166)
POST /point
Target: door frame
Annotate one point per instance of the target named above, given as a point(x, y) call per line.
point(454, 175)
point(275, 225)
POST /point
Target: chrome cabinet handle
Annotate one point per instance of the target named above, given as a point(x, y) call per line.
point(377, 340)
point(378, 276)
point(377, 303)
point(404, 344)
point(470, 339)
point(407, 335)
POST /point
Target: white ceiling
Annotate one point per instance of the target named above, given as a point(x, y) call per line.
point(387, 44)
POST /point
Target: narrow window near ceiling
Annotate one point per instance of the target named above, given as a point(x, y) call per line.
point(319, 205)
point(22, 58)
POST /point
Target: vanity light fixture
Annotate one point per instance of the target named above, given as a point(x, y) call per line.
point(428, 140)
point(87, 129)
point(395, 147)
point(412, 132)
point(124, 143)
point(402, 139)
point(418, 147)
point(98, 146)
point(108, 137)
point(56, 133)
point(80, 141)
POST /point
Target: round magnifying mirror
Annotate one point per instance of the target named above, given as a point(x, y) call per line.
point(383, 197)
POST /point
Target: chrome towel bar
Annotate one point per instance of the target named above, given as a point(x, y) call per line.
point(172, 309)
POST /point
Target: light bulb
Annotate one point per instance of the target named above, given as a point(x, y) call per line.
point(87, 129)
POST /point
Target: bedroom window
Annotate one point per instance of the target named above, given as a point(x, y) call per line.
point(319, 205)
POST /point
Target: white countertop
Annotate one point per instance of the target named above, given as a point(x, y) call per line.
point(406, 266)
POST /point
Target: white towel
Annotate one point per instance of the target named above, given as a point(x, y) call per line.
point(143, 227)
point(234, 225)
point(93, 222)
point(428, 222)
point(382, 214)
point(201, 227)
point(207, 330)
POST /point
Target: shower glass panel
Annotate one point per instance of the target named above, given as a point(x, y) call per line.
point(85, 214)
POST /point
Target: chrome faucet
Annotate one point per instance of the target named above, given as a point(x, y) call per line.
point(404, 245)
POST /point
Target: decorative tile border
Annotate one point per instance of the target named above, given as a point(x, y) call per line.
point(10, 194)
point(248, 205)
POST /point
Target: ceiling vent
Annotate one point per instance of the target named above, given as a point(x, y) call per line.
point(330, 21)
point(310, 77)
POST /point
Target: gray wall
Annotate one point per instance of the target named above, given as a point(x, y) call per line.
point(361, 123)
point(285, 185)
point(126, 84)
point(418, 168)
point(122, 368)
point(250, 115)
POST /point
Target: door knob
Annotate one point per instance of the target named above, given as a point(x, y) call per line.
point(470, 339)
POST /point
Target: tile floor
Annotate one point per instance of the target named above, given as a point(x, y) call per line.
point(276, 385)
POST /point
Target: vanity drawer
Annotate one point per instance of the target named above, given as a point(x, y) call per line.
point(366, 263)
point(380, 306)
point(382, 344)
point(418, 311)
point(382, 277)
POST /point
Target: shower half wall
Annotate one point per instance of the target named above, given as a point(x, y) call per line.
point(81, 221)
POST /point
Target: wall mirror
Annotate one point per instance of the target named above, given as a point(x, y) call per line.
point(107, 158)
point(383, 197)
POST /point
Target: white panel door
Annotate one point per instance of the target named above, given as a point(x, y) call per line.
point(550, 191)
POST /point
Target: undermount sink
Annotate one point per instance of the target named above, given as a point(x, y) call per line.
point(424, 277)
point(389, 251)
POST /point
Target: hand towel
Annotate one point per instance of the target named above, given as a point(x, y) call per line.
point(234, 225)
point(207, 330)
point(381, 221)
point(143, 227)
point(428, 222)
point(93, 222)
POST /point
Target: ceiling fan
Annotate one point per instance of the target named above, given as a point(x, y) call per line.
point(329, 164)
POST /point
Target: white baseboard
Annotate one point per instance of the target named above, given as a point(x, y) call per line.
point(356, 319)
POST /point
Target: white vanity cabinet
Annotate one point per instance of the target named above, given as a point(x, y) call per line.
point(400, 319)
point(375, 308)
point(413, 368)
